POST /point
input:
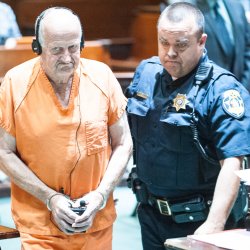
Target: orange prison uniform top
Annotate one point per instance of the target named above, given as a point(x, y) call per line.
point(67, 148)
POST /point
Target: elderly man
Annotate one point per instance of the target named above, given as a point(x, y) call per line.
point(190, 129)
point(65, 140)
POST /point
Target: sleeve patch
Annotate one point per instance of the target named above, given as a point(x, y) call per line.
point(233, 103)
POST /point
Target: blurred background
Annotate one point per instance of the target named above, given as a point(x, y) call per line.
point(118, 33)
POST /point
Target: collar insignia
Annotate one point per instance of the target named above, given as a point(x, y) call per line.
point(233, 103)
point(180, 102)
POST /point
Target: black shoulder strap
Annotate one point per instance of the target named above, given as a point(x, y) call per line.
point(203, 75)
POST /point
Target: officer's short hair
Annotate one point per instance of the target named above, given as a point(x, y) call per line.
point(179, 11)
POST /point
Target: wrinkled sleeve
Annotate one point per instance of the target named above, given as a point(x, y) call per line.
point(117, 100)
point(7, 120)
point(230, 135)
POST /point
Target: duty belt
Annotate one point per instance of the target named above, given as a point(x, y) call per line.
point(185, 209)
point(162, 205)
point(190, 208)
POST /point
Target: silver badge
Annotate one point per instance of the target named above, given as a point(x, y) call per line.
point(180, 102)
point(233, 104)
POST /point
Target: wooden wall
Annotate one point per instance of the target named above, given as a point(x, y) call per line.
point(144, 32)
point(100, 18)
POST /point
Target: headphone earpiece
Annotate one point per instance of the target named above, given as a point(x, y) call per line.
point(82, 42)
point(36, 46)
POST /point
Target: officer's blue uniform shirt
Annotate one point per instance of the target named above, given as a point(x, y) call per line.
point(160, 115)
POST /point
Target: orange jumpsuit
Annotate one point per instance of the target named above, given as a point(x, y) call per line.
point(67, 148)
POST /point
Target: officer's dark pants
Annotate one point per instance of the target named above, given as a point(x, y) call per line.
point(156, 228)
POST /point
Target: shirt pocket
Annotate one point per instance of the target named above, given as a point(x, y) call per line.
point(96, 136)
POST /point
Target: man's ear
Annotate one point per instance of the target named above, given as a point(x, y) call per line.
point(203, 39)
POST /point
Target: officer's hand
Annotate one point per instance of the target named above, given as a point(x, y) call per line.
point(94, 201)
point(63, 216)
point(209, 227)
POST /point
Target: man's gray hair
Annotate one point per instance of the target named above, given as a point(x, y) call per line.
point(39, 21)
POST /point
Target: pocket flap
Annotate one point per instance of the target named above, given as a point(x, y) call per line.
point(96, 136)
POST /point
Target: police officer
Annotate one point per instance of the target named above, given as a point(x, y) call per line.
point(190, 129)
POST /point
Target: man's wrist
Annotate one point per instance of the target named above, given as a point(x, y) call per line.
point(49, 199)
point(104, 199)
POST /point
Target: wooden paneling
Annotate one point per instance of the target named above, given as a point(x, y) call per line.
point(100, 18)
point(144, 32)
point(95, 50)
point(12, 57)
point(144, 35)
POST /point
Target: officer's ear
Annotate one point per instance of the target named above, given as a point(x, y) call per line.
point(202, 40)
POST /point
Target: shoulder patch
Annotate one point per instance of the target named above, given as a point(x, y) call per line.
point(233, 103)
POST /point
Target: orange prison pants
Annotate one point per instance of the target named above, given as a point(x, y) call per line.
point(100, 240)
